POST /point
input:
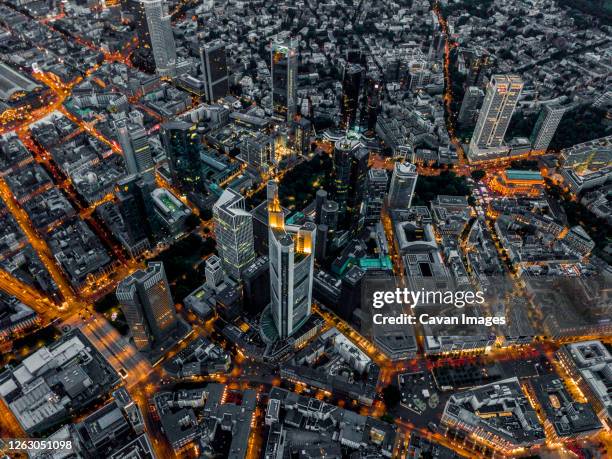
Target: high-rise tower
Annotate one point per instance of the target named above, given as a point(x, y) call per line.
point(403, 183)
point(351, 90)
point(182, 144)
point(214, 68)
point(503, 92)
point(291, 253)
point(161, 37)
point(284, 70)
point(147, 305)
point(546, 126)
point(349, 175)
point(134, 143)
point(234, 232)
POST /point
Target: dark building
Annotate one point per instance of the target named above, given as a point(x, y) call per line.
point(321, 242)
point(284, 70)
point(350, 170)
point(350, 292)
point(371, 106)
point(229, 303)
point(301, 135)
point(479, 63)
point(182, 144)
point(148, 306)
point(136, 207)
point(213, 59)
point(320, 200)
point(256, 286)
point(351, 90)
point(330, 214)
point(260, 227)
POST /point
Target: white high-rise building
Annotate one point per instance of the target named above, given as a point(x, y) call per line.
point(162, 39)
point(291, 253)
point(134, 143)
point(234, 233)
point(546, 126)
point(403, 183)
point(503, 92)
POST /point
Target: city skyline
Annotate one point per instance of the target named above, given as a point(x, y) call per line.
point(265, 230)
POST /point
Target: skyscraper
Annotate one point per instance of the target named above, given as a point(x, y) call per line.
point(375, 194)
point(134, 143)
point(479, 61)
point(349, 175)
point(503, 92)
point(291, 253)
point(136, 208)
point(214, 68)
point(147, 305)
point(351, 90)
point(284, 70)
point(213, 272)
point(160, 33)
point(470, 105)
point(234, 231)
point(371, 103)
point(403, 183)
point(182, 144)
point(546, 126)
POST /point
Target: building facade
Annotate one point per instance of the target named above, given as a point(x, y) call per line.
point(234, 232)
point(503, 92)
point(147, 305)
point(291, 254)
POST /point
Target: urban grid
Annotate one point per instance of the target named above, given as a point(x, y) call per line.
point(200, 201)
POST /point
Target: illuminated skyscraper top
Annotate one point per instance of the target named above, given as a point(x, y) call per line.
point(284, 70)
point(291, 252)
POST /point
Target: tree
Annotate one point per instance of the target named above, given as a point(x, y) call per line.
point(478, 175)
point(391, 396)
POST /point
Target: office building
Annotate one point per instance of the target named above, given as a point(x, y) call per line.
point(497, 415)
point(284, 70)
point(213, 272)
point(234, 232)
point(472, 100)
point(546, 126)
point(147, 305)
point(291, 253)
point(376, 190)
point(258, 150)
point(503, 92)
point(182, 144)
point(213, 59)
point(479, 62)
point(351, 90)
point(589, 363)
point(170, 211)
point(350, 164)
point(301, 136)
point(371, 106)
point(135, 206)
point(403, 184)
point(134, 143)
point(320, 200)
point(330, 215)
point(161, 37)
point(256, 286)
